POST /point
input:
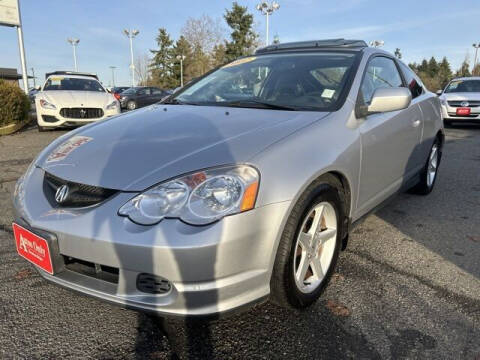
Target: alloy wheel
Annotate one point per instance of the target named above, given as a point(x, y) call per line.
point(432, 165)
point(315, 247)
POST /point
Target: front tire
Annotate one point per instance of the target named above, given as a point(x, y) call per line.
point(309, 246)
point(131, 105)
point(41, 128)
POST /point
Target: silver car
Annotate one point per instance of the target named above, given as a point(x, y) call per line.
point(241, 187)
point(461, 100)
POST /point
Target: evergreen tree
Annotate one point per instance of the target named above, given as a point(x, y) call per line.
point(432, 68)
point(243, 37)
point(219, 56)
point(163, 61)
point(444, 72)
point(398, 54)
point(423, 67)
point(183, 48)
point(464, 70)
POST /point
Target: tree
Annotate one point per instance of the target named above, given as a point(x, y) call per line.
point(162, 62)
point(183, 48)
point(203, 33)
point(464, 70)
point(432, 69)
point(476, 70)
point(142, 71)
point(398, 54)
point(444, 72)
point(219, 56)
point(243, 38)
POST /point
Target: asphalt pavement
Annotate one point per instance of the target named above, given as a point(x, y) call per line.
point(408, 286)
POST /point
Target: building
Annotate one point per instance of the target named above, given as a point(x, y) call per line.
point(11, 75)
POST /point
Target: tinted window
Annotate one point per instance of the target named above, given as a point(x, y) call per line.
point(463, 86)
point(145, 91)
point(156, 91)
point(71, 83)
point(130, 91)
point(309, 81)
point(413, 82)
point(381, 73)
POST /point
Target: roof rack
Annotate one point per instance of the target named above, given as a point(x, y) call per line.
point(314, 44)
point(71, 73)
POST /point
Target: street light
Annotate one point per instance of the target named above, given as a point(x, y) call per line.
point(181, 58)
point(74, 42)
point(476, 46)
point(131, 34)
point(267, 9)
point(113, 75)
point(377, 43)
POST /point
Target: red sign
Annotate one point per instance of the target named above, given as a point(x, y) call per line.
point(463, 111)
point(33, 248)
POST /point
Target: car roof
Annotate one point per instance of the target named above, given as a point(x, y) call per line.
point(467, 78)
point(72, 74)
point(355, 45)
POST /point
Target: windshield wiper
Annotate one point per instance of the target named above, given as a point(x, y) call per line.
point(177, 102)
point(258, 104)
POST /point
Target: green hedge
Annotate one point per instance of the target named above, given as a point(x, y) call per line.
point(14, 104)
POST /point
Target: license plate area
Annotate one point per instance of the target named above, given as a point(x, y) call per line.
point(33, 248)
point(463, 111)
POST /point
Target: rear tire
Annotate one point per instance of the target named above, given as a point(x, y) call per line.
point(294, 284)
point(428, 176)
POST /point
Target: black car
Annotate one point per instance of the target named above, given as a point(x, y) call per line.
point(136, 97)
point(117, 90)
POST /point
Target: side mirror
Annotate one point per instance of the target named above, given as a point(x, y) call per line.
point(386, 100)
point(439, 92)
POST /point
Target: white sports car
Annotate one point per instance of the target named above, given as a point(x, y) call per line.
point(70, 99)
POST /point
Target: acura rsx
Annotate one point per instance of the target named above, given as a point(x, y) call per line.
point(240, 187)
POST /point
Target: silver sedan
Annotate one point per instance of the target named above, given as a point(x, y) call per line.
point(240, 187)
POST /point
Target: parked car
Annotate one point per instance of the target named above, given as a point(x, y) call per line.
point(461, 100)
point(241, 187)
point(70, 98)
point(116, 91)
point(140, 96)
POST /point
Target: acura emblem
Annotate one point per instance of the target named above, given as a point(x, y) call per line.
point(464, 103)
point(62, 194)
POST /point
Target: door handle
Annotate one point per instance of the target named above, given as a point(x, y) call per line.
point(416, 123)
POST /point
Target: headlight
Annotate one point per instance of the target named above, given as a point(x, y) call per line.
point(46, 105)
point(199, 198)
point(111, 106)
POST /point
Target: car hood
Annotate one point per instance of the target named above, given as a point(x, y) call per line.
point(66, 98)
point(139, 149)
point(461, 96)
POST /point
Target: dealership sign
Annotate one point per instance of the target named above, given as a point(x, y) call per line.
point(9, 15)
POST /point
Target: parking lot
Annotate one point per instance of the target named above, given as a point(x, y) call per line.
point(408, 286)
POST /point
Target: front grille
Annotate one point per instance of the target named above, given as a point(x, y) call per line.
point(81, 113)
point(79, 195)
point(49, 118)
point(458, 103)
point(97, 271)
point(153, 284)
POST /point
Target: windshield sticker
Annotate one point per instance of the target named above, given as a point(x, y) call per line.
point(328, 93)
point(64, 149)
point(240, 62)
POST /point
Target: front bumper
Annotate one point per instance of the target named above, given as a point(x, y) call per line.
point(212, 269)
point(52, 118)
point(449, 114)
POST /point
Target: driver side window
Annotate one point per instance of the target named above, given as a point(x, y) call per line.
point(381, 73)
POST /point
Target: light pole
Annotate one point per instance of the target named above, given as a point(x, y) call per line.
point(181, 58)
point(131, 34)
point(33, 76)
point(476, 46)
point(267, 9)
point(377, 43)
point(113, 75)
point(74, 42)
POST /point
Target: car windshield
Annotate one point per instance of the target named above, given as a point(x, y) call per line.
point(130, 91)
point(72, 83)
point(463, 86)
point(306, 81)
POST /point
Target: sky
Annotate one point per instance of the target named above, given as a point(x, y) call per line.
point(420, 28)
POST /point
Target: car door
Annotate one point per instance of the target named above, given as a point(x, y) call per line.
point(388, 140)
point(157, 95)
point(143, 95)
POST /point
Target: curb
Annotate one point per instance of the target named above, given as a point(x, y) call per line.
point(11, 128)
